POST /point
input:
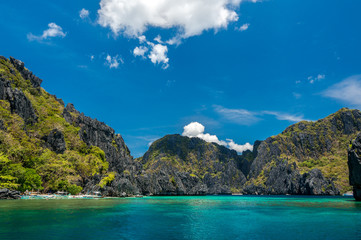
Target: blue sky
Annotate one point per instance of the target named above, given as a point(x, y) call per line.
point(244, 70)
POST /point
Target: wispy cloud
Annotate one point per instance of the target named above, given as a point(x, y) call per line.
point(347, 91)
point(53, 30)
point(245, 117)
point(240, 116)
point(319, 77)
point(244, 27)
point(286, 116)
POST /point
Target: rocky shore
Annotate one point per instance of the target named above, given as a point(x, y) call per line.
point(9, 194)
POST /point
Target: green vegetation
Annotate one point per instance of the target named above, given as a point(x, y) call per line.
point(322, 144)
point(25, 162)
point(108, 179)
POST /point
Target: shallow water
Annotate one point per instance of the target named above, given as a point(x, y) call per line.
point(211, 217)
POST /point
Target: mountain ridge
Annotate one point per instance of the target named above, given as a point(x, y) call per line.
point(49, 146)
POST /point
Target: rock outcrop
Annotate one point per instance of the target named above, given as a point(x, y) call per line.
point(354, 165)
point(176, 165)
point(9, 194)
point(19, 103)
point(55, 141)
point(296, 161)
point(307, 158)
point(27, 75)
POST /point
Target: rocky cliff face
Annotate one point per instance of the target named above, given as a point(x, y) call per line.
point(176, 165)
point(45, 145)
point(307, 158)
point(58, 147)
point(354, 164)
point(121, 163)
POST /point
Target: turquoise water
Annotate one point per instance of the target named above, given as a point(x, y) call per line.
point(214, 217)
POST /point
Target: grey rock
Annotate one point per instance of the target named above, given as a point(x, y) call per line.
point(55, 141)
point(19, 65)
point(163, 176)
point(9, 194)
point(354, 165)
point(19, 103)
point(313, 183)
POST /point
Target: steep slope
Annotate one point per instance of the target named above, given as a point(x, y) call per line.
point(307, 158)
point(45, 146)
point(354, 164)
point(176, 165)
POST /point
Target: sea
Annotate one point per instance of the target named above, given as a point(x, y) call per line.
point(203, 217)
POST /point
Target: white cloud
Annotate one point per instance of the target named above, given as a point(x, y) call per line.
point(92, 57)
point(84, 13)
point(239, 148)
point(113, 62)
point(244, 27)
point(140, 51)
point(286, 116)
point(158, 39)
point(195, 129)
point(319, 77)
point(240, 116)
point(191, 17)
point(158, 55)
point(186, 18)
point(53, 31)
point(245, 117)
point(347, 91)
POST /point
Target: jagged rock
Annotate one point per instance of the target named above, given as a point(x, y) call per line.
point(69, 113)
point(95, 133)
point(19, 65)
point(212, 169)
point(313, 183)
point(9, 194)
point(55, 141)
point(302, 142)
point(19, 103)
point(58, 99)
point(354, 165)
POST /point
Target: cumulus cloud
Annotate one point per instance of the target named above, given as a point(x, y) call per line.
point(53, 30)
point(195, 129)
point(186, 17)
point(84, 13)
point(140, 51)
point(190, 17)
point(158, 55)
point(245, 117)
point(239, 148)
point(113, 62)
point(347, 91)
point(244, 27)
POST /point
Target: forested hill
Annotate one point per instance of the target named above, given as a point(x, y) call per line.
point(48, 146)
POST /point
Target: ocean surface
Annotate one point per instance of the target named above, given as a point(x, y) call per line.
point(209, 217)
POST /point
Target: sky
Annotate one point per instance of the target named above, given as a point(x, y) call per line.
point(226, 71)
